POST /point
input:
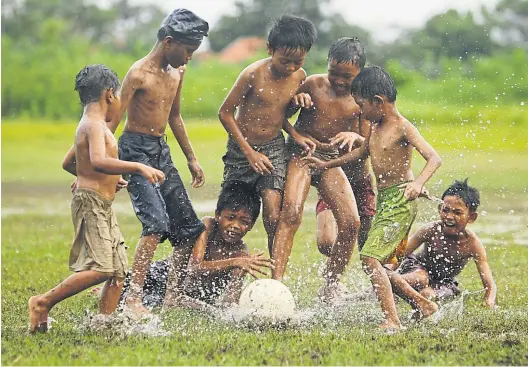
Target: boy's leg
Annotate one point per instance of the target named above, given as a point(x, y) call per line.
point(337, 193)
point(408, 293)
point(295, 192)
point(142, 258)
point(178, 262)
point(271, 208)
point(418, 279)
point(326, 228)
point(382, 287)
point(40, 305)
point(110, 295)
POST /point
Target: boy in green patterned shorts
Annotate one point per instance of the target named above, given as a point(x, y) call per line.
point(390, 144)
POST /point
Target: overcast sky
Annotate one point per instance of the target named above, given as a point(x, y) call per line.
point(383, 18)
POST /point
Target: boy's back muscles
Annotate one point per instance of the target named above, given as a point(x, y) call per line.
point(262, 101)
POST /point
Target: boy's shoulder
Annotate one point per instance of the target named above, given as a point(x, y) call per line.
point(256, 68)
point(316, 81)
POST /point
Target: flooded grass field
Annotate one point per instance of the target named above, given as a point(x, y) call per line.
point(37, 232)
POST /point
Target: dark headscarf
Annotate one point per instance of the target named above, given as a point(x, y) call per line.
point(185, 26)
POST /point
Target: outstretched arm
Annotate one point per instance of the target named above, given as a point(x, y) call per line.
point(178, 129)
point(414, 189)
point(481, 261)
point(419, 237)
point(253, 264)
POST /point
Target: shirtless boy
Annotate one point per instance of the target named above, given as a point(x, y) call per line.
point(357, 173)
point(98, 250)
point(390, 145)
point(151, 94)
point(261, 95)
point(220, 259)
point(446, 246)
point(334, 111)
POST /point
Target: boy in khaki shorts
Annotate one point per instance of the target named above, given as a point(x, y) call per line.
point(98, 250)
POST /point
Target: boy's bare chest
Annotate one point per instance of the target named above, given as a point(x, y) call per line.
point(449, 250)
point(387, 142)
point(337, 111)
point(268, 93)
point(159, 90)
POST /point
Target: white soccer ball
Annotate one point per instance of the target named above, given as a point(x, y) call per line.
point(267, 299)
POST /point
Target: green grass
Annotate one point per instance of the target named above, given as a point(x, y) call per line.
point(36, 240)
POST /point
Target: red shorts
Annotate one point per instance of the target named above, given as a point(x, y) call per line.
point(365, 198)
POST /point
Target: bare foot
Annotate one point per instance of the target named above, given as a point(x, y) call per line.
point(425, 311)
point(390, 326)
point(136, 308)
point(38, 315)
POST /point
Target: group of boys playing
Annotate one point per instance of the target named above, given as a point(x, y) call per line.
point(346, 117)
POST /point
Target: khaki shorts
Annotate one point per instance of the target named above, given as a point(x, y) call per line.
point(98, 244)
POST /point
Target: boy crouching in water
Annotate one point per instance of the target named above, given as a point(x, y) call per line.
point(98, 250)
point(220, 259)
point(390, 145)
point(446, 246)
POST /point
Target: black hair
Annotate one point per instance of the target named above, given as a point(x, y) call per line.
point(238, 195)
point(372, 81)
point(92, 80)
point(469, 195)
point(292, 33)
point(348, 50)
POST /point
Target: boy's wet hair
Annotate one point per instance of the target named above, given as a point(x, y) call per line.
point(292, 33)
point(238, 195)
point(373, 81)
point(92, 80)
point(184, 26)
point(348, 50)
point(469, 195)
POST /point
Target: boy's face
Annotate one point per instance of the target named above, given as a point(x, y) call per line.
point(233, 224)
point(287, 61)
point(178, 54)
point(113, 100)
point(341, 75)
point(370, 109)
point(455, 215)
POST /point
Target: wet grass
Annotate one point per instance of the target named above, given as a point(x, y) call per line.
point(35, 249)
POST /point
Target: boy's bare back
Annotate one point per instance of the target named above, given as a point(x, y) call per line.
point(152, 93)
point(262, 100)
point(95, 131)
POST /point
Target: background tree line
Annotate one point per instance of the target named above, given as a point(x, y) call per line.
point(455, 59)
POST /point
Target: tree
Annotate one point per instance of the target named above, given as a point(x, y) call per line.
point(253, 18)
point(509, 22)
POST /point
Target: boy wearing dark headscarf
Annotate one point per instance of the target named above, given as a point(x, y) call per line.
point(151, 93)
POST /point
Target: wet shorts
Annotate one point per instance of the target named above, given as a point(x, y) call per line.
point(446, 287)
point(390, 228)
point(98, 244)
point(365, 198)
point(162, 209)
point(237, 167)
point(295, 150)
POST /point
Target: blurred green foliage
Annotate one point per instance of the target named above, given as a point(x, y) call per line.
point(452, 68)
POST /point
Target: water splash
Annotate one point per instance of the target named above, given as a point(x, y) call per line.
point(125, 324)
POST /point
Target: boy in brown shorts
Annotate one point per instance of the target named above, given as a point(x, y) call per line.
point(98, 250)
point(256, 150)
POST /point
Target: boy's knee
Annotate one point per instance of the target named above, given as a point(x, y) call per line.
point(291, 215)
point(369, 264)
